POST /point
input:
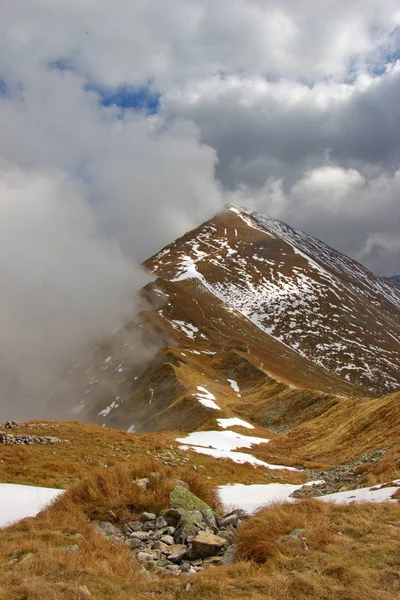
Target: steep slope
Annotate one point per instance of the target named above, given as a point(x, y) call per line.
point(302, 293)
point(395, 279)
point(249, 318)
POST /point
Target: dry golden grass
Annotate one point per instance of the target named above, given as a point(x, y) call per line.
point(91, 447)
point(114, 491)
point(348, 429)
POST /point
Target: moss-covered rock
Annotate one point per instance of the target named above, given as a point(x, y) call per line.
point(181, 497)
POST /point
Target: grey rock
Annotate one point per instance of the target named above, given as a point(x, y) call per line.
point(133, 543)
point(229, 556)
point(146, 516)
point(158, 545)
point(206, 544)
point(178, 556)
point(141, 535)
point(209, 518)
point(167, 539)
point(160, 523)
point(108, 529)
point(174, 568)
point(135, 525)
point(188, 526)
point(149, 526)
point(229, 536)
point(173, 515)
point(232, 519)
point(144, 557)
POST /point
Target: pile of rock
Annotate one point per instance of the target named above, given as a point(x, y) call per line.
point(29, 439)
point(10, 424)
point(339, 479)
point(186, 538)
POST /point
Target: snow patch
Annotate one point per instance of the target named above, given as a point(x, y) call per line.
point(21, 501)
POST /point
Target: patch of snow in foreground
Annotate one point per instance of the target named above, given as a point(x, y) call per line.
point(221, 440)
point(252, 497)
point(20, 501)
point(237, 457)
point(376, 493)
point(224, 423)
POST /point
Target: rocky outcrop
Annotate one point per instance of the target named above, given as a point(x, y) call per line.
point(186, 538)
point(29, 439)
point(338, 479)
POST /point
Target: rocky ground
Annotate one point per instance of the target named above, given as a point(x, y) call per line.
point(338, 479)
point(186, 538)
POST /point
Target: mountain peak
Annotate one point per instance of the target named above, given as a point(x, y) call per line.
point(323, 305)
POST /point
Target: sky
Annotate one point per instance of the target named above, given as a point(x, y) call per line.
point(125, 124)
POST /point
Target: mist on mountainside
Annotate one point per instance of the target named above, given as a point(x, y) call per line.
point(65, 288)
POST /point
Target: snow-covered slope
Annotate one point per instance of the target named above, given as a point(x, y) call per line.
point(306, 295)
point(395, 279)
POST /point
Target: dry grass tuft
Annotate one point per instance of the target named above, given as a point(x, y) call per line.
point(117, 492)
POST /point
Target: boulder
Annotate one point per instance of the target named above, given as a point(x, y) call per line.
point(189, 525)
point(181, 497)
point(206, 544)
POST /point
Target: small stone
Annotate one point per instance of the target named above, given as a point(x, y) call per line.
point(133, 543)
point(173, 515)
point(144, 557)
point(141, 535)
point(146, 516)
point(232, 519)
point(178, 556)
point(142, 482)
point(185, 566)
point(229, 556)
point(108, 529)
point(228, 536)
point(158, 545)
point(134, 526)
point(160, 523)
point(173, 568)
point(149, 526)
point(167, 539)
